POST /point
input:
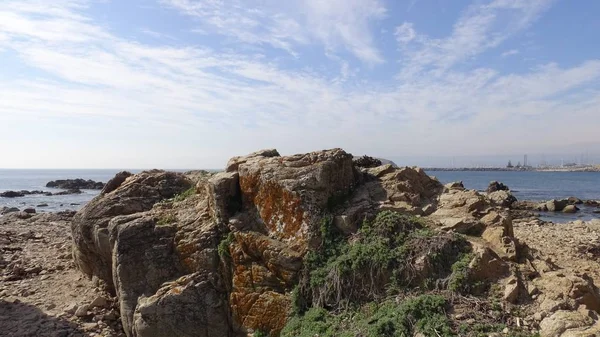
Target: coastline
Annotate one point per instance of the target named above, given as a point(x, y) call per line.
point(504, 169)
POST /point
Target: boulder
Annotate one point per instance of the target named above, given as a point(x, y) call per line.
point(556, 205)
point(71, 184)
point(559, 323)
point(502, 198)
point(11, 194)
point(92, 250)
point(29, 210)
point(7, 210)
point(115, 182)
point(192, 305)
point(496, 186)
point(68, 192)
point(574, 201)
point(457, 185)
point(570, 209)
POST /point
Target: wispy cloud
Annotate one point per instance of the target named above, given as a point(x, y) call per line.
point(175, 100)
point(510, 52)
point(481, 27)
point(288, 25)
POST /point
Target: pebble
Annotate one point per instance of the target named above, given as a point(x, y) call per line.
point(82, 311)
point(99, 302)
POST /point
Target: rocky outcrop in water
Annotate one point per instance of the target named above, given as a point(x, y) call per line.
point(223, 254)
point(75, 184)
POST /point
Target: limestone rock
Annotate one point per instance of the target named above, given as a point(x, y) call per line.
point(502, 198)
point(561, 321)
point(486, 264)
point(92, 250)
point(193, 306)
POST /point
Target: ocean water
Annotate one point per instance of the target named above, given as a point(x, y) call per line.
point(530, 185)
point(524, 185)
point(16, 180)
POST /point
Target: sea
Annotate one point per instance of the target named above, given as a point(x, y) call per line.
point(535, 186)
point(528, 185)
point(36, 180)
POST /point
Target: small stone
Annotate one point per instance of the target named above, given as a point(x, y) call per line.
point(99, 302)
point(511, 292)
point(50, 306)
point(82, 311)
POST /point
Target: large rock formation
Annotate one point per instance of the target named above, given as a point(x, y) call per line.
point(201, 254)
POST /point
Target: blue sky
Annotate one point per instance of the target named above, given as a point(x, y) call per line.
point(188, 83)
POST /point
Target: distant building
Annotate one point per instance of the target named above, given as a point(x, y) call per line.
point(510, 165)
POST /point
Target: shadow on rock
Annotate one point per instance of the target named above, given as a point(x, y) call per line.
point(21, 319)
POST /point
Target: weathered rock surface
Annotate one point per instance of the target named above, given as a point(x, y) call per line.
point(496, 186)
point(202, 254)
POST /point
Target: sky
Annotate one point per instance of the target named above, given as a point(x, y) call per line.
point(190, 83)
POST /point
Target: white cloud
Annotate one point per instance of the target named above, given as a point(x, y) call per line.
point(289, 25)
point(405, 33)
point(158, 105)
point(510, 52)
point(481, 27)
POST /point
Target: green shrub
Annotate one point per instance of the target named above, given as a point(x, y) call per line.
point(459, 280)
point(223, 248)
point(377, 262)
point(425, 313)
point(184, 195)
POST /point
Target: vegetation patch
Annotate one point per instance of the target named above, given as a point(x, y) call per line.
point(166, 219)
point(425, 313)
point(366, 284)
point(459, 279)
point(184, 195)
point(223, 248)
point(388, 254)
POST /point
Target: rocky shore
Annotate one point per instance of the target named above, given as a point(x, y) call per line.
point(79, 184)
point(41, 291)
point(307, 245)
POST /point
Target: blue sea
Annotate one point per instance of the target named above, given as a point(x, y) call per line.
point(525, 186)
point(531, 185)
point(16, 180)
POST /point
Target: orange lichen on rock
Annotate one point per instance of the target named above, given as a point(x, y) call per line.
point(280, 209)
point(264, 271)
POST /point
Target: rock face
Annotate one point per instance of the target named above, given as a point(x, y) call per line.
point(201, 254)
point(72, 184)
point(496, 186)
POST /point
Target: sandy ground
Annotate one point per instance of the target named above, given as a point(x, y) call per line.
point(41, 291)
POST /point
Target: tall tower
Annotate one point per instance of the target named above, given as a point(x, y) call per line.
point(525, 160)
